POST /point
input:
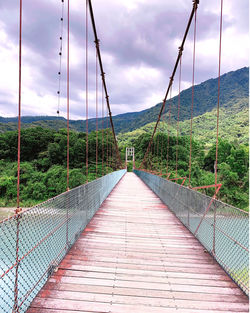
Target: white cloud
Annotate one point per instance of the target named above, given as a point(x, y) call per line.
point(139, 44)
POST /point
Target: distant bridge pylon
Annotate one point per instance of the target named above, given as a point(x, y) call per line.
point(130, 152)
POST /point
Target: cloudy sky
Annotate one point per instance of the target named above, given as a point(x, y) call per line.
point(139, 44)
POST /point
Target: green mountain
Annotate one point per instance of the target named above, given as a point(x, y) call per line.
point(233, 100)
point(233, 126)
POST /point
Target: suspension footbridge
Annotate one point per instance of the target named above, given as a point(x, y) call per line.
point(126, 242)
point(136, 256)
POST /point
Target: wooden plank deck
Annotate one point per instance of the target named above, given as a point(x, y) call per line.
point(135, 256)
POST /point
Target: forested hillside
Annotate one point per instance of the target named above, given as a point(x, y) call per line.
point(234, 98)
point(233, 126)
point(233, 164)
point(43, 163)
point(43, 166)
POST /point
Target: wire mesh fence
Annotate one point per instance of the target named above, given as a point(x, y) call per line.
point(223, 229)
point(33, 243)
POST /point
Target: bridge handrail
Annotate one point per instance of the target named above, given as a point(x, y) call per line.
point(223, 229)
point(35, 241)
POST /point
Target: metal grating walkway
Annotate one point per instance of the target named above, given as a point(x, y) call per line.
point(135, 256)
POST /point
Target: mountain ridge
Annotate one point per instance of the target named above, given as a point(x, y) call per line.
point(234, 86)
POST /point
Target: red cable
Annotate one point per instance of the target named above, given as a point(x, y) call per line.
point(68, 105)
point(112, 155)
point(102, 129)
point(164, 112)
point(157, 149)
point(19, 107)
point(87, 135)
point(107, 161)
point(154, 147)
point(18, 159)
point(178, 118)
point(218, 103)
point(192, 105)
point(169, 124)
point(96, 109)
point(150, 159)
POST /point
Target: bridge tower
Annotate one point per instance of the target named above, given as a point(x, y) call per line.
point(130, 152)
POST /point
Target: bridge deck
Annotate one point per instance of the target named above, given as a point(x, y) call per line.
point(135, 256)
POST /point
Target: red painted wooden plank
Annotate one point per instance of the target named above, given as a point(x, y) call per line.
point(133, 272)
point(118, 307)
point(130, 260)
point(144, 300)
point(161, 279)
point(71, 264)
point(141, 293)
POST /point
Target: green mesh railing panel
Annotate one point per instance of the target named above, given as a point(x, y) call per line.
point(223, 231)
point(34, 242)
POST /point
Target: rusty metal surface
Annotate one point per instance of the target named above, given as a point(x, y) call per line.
point(136, 256)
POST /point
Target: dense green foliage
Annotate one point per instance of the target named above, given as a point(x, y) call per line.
point(233, 126)
point(233, 98)
point(43, 166)
point(233, 164)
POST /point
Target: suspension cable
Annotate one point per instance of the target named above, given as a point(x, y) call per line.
point(178, 117)
point(96, 109)
point(195, 6)
point(68, 104)
point(192, 103)
point(104, 82)
point(169, 124)
point(154, 147)
point(162, 137)
point(107, 157)
point(19, 107)
point(15, 307)
point(158, 142)
point(87, 94)
point(218, 103)
point(102, 130)
point(151, 158)
point(60, 60)
point(112, 155)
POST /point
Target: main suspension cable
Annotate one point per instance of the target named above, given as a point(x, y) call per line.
point(195, 6)
point(104, 81)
